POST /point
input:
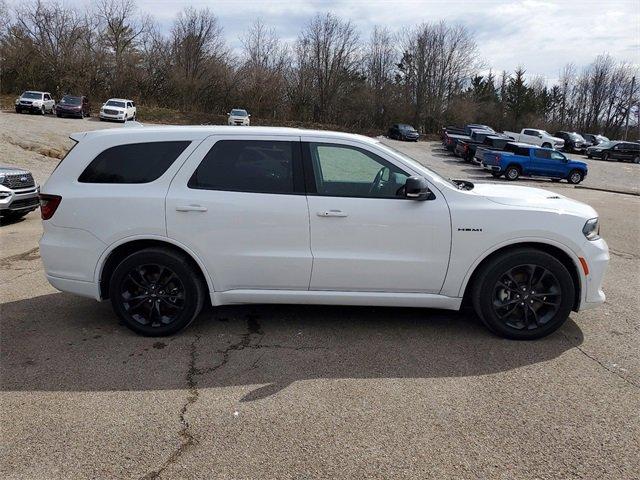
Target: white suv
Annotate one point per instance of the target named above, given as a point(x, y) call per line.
point(33, 101)
point(162, 219)
point(118, 109)
point(238, 116)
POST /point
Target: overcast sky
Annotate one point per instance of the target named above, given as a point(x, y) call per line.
point(540, 35)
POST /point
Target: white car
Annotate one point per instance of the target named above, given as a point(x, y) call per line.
point(118, 109)
point(534, 136)
point(161, 219)
point(238, 116)
point(35, 102)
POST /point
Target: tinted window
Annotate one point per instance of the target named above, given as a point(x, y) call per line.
point(531, 132)
point(557, 156)
point(133, 163)
point(345, 171)
point(247, 166)
point(546, 154)
point(113, 103)
point(517, 150)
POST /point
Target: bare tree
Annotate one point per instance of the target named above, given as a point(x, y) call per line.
point(327, 51)
point(262, 73)
point(380, 63)
point(199, 54)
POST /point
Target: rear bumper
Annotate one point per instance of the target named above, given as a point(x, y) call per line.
point(77, 287)
point(491, 168)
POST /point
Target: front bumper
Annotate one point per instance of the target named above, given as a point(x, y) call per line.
point(69, 112)
point(20, 200)
point(28, 108)
point(121, 116)
point(596, 255)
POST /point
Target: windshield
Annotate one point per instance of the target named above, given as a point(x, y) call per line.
point(69, 100)
point(575, 136)
point(113, 103)
point(406, 127)
point(602, 138)
point(417, 165)
point(238, 113)
point(32, 95)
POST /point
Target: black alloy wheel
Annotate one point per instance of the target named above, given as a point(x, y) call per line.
point(526, 297)
point(156, 292)
point(523, 294)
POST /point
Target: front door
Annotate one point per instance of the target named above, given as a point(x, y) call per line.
point(239, 204)
point(365, 235)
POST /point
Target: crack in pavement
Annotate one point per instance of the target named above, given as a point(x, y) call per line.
point(608, 369)
point(185, 433)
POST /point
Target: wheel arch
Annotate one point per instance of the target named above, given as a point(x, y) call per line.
point(119, 250)
point(558, 251)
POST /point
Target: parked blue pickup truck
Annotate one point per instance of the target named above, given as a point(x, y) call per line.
point(519, 159)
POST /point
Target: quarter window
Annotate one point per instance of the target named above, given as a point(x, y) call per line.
point(259, 166)
point(346, 171)
point(133, 163)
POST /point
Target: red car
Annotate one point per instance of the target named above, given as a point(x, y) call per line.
point(73, 106)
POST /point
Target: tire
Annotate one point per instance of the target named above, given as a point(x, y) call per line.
point(512, 172)
point(575, 177)
point(605, 157)
point(589, 156)
point(546, 145)
point(636, 160)
point(18, 110)
point(59, 115)
point(138, 295)
point(502, 304)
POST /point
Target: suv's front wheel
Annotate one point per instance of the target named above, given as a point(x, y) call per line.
point(156, 292)
point(524, 294)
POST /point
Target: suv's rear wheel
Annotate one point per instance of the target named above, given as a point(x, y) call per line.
point(524, 294)
point(156, 292)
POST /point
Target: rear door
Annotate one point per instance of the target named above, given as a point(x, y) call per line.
point(365, 235)
point(239, 204)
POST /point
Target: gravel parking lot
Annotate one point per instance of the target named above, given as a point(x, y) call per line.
point(314, 392)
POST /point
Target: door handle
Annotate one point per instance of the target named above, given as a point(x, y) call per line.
point(332, 213)
point(191, 208)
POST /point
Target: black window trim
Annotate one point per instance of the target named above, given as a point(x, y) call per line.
point(297, 167)
point(309, 174)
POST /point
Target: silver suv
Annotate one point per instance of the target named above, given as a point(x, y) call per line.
point(18, 193)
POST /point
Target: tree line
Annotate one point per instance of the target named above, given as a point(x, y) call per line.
point(428, 75)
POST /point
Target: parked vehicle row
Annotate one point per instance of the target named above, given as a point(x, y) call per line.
point(501, 155)
point(116, 109)
point(615, 150)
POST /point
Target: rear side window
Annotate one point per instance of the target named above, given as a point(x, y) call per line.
point(546, 154)
point(133, 163)
point(259, 166)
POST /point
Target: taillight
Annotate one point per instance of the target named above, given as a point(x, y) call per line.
point(498, 159)
point(48, 205)
point(466, 148)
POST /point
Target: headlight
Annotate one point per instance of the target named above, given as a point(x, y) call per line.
point(591, 229)
point(17, 101)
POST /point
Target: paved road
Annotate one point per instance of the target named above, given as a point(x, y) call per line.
point(316, 392)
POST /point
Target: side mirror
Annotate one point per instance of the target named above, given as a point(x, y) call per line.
point(248, 115)
point(417, 188)
point(228, 113)
point(539, 135)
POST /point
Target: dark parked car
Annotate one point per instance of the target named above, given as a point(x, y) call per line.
point(491, 143)
point(616, 150)
point(573, 142)
point(401, 131)
point(467, 148)
point(593, 139)
point(73, 106)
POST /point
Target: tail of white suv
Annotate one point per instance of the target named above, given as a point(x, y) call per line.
point(161, 219)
